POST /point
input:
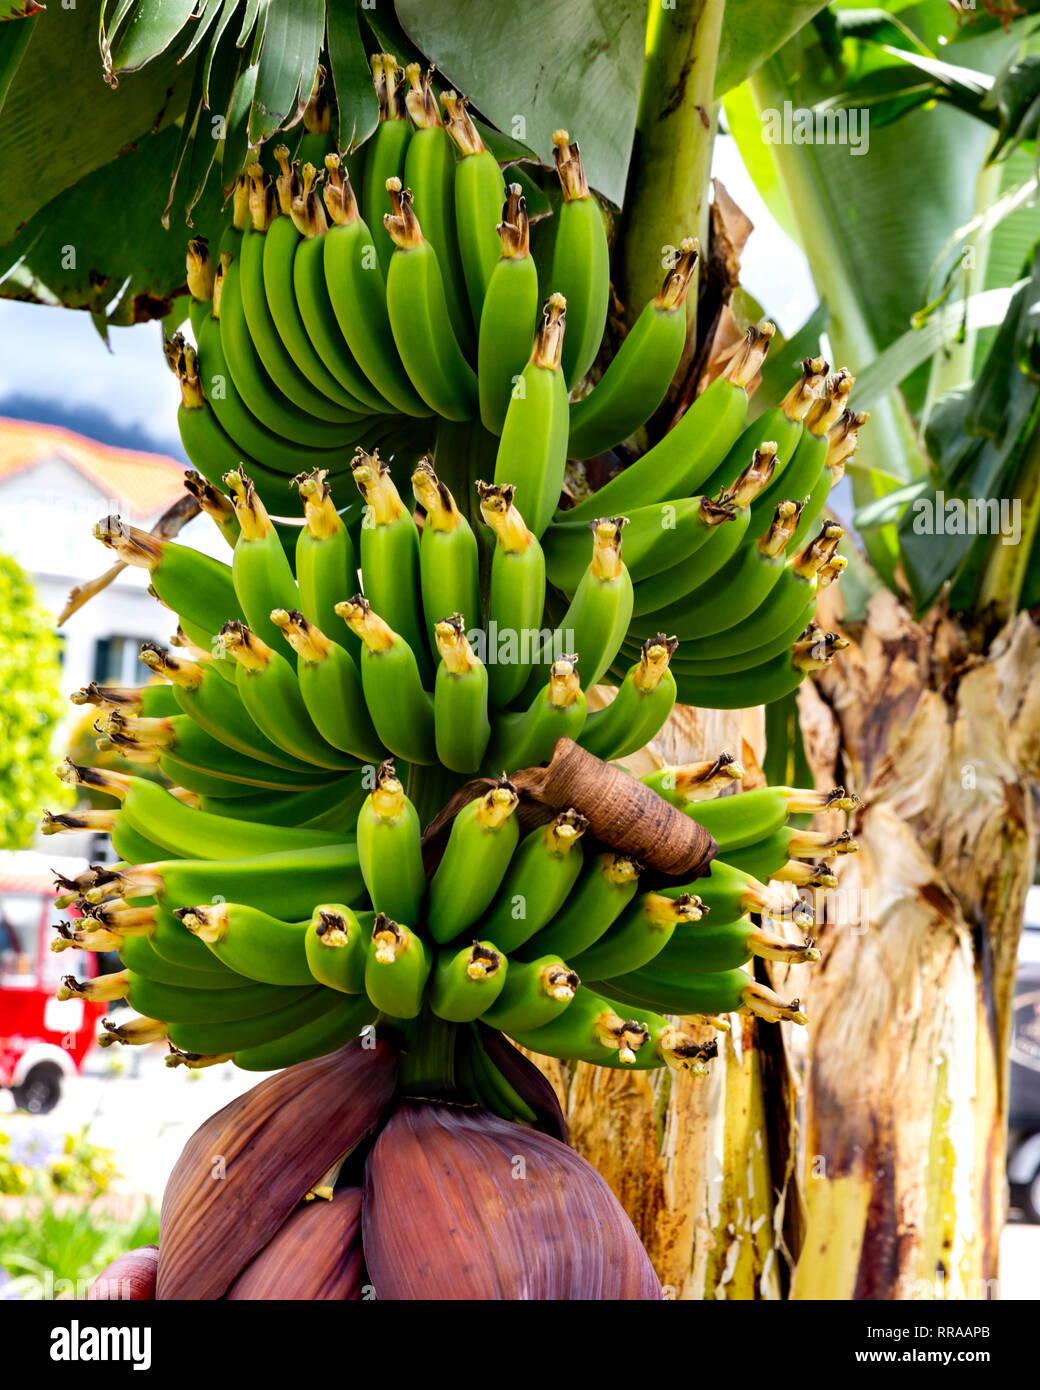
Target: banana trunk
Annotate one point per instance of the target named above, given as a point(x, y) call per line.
point(703, 1165)
point(904, 1157)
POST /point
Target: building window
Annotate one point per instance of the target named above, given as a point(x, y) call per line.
point(117, 662)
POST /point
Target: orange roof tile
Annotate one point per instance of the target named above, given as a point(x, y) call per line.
point(145, 483)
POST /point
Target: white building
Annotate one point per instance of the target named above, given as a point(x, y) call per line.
point(54, 486)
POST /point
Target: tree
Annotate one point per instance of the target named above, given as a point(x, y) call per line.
point(914, 317)
point(30, 697)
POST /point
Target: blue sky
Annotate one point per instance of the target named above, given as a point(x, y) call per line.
point(57, 356)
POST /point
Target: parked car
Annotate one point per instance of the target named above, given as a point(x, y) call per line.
point(43, 1040)
point(1024, 1106)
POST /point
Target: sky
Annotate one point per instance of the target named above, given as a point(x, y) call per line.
point(52, 355)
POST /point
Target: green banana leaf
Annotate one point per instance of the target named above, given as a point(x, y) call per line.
point(535, 67)
point(60, 119)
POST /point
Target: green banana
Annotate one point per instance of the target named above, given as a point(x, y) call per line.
point(637, 379)
point(173, 944)
point(507, 319)
point(153, 812)
point(640, 708)
point(657, 538)
point(178, 1004)
point(641, 933)
point(261, 571)
point(327, 1033)
point(791, 599)
point(284, 884)
point(191, 757)
point(139, 955)
point(714, 946)
point(313, 293)
point(762, 684)
point(700, 781)
point(782, 426)
point(265, 377)
point(429, 171)
point(534, 993)
point(269, 690)
point(217, 709)
point(396, 969)
point(244, 304)
point(387, 151)
point(330, 686)
point(681, 462)
point(460, 700)
point(741, 820)
point(193, 584)
point(806, 465)
point(357, 291)
point(491, 1088)
point(419, 317)
point(205, 441)
point(481, 843)
point(466, 982)
point(479, 195)
point(251, 942)
point(601, 894)
point(389, 848)
point(516, 599)
point(589, 1030)
point(667, 1045)
point(540, 876)
point(580, 262)
point(216, 384)
point(200, 272)
point(401, 710)
point(299, 209)
point(323, 808)
point(390, 556)
point(326, 565)
point(155, 701)
point(528, 737)
point(842, 440)
point(686, 584)
point(449, 575)
point(719, 992)
point(782, 640)
point(745, 581)
point(599, 614)
point(215, 504)
point(768, 856)
point(336, 946)
point(219, 1037)
point(729, 892)
point(532, 452)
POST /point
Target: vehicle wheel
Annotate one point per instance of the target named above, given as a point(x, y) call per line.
point(1030, 1199)
point(40, 1092)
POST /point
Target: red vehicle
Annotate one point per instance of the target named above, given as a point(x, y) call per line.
point(42, 1040)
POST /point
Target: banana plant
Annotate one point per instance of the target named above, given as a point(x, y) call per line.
point(923, 252)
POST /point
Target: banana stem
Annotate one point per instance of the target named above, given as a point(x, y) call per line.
point(430, 788)
point(667, 195)
point(1005, 569)
point(426, 1063)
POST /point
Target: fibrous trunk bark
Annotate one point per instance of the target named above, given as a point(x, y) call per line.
point(905, 1092)
point(705, 1167)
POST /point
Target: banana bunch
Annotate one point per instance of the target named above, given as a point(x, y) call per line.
point(275, 893)
point(389, 299)
point(269, 938)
